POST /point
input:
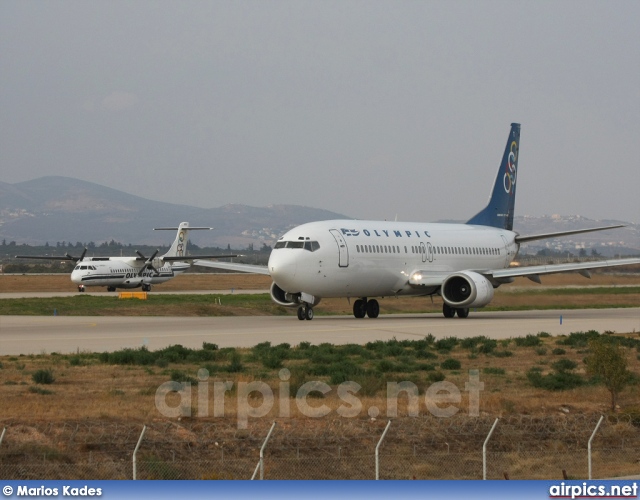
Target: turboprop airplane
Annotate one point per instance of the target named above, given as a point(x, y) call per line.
point(134, 272)
point(359, 259)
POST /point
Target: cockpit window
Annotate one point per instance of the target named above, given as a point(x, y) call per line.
point(311, 246)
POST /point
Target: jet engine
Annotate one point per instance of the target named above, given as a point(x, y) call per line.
point(282, 298)
point(466, 289)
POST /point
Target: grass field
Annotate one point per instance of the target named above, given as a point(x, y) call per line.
point(559, 291)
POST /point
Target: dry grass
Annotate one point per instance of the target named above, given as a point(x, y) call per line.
point(99, 390)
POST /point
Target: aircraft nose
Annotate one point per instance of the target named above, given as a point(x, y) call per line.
point(76, 277)
point(282, 268)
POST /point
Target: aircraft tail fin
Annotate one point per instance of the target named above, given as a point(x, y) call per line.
point(500, 209)
point(179, 245)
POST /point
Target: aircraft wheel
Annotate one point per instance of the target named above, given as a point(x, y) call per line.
point(373, 308)
point(146, 288)
point(448, 311)
point(111, 289)
point(301, 314)
point(359, 308)
point(308, 313)
point(81, 289)
point(463, 312)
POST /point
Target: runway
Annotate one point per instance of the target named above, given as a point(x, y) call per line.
point(68, 334)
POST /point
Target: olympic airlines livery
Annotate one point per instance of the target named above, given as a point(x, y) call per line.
point(463, 263)
point(134, 272)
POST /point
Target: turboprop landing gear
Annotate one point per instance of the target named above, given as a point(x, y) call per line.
point(111, 289)
point(81, 288)
point(146, 288)
point(305, 312)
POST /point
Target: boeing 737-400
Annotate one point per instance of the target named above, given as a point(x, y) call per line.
point(134, 272)
point(360, 259)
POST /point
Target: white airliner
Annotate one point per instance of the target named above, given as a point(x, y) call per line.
point(359, 259)
point(134, 272)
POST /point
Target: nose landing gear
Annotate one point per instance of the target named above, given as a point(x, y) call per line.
point(305, 312)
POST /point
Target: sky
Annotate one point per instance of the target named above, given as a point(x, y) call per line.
point(373, 109)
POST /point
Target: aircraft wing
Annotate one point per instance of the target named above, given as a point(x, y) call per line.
point(535, 237)
point(43, 257)
point(232, 266)
point(426, 278)
point(514, 272)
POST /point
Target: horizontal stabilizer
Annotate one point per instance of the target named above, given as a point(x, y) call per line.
point(186, 227)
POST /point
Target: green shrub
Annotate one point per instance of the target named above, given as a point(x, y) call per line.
point(450, 364)
point(446, 344)
point(209, 347)
point(544, 334)
point(436, 377)
point(493, 371)
point(564, 365)
point(424, 354)
point(502, 354)
point(182, 377)
point(557, 381)
point(235, 363)
point(558, 351)
point(528, 341)
point(541, 351)
point(43, 377)
point(39, 390)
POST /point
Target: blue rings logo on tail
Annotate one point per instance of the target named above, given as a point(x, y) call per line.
point(510, 174)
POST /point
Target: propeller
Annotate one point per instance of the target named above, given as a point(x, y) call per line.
point(148, 263)
point(76, 259)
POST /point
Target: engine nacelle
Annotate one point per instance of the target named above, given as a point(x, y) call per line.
point(466, 289)
point(282, 298)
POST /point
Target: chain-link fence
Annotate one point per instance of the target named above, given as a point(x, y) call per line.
point(521, 447)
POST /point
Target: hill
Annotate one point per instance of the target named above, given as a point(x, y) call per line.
point(52, 209)
point(55, 209)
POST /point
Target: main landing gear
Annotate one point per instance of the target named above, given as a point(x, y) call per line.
point(363, 307)
point(305, 312)
point(111, 289)
point(450, 312)
point(146, 288)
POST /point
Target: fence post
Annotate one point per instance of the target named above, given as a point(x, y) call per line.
point(484, 450)
point(3, 433)
point(144, 428)
point(591, 439)
point(378, 448)
point(260, 465)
